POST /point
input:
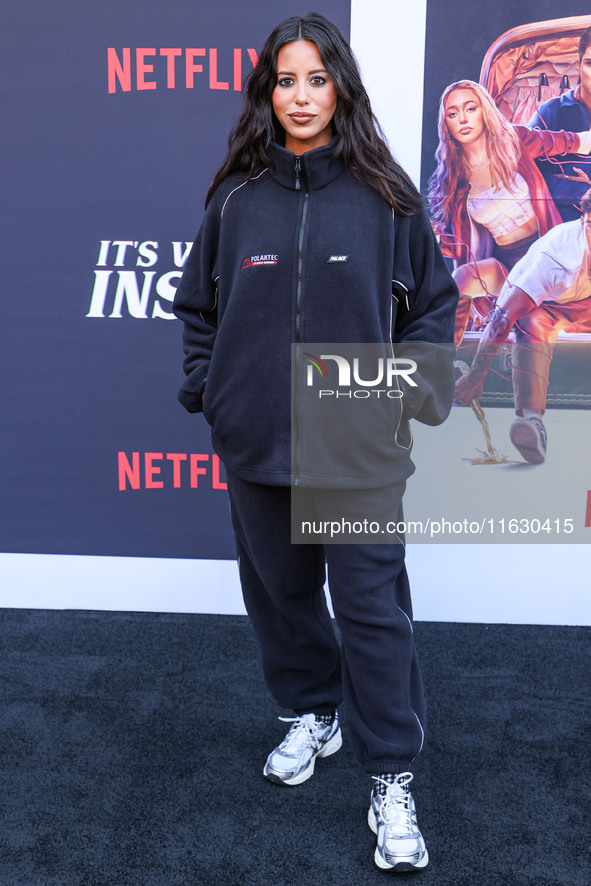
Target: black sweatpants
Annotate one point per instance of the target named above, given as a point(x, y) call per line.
point(376, 672)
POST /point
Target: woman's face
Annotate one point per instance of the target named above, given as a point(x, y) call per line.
point(463, 115)
point(305, 98)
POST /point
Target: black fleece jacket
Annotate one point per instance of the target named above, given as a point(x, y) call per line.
point(304, 253)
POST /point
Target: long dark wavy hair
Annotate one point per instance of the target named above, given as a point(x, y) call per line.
point(361, 144)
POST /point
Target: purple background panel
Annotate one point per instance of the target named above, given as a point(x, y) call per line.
point(83, 166)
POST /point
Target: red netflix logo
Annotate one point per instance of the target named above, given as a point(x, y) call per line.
point(171, 67)
point(155, 470)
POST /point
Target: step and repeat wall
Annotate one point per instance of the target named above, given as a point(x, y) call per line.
point(116, 117)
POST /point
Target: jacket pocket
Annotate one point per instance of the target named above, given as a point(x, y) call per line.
point(403, 435)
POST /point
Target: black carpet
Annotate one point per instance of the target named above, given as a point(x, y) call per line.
point(132, 749)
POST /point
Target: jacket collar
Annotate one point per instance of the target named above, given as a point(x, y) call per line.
point(317, 167)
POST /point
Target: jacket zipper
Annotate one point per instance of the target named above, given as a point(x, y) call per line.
point(298, 169)
point(301, 268)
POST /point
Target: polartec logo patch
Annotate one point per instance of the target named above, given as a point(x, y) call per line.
point(252, 261)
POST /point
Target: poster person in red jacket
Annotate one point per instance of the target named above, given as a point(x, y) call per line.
point(488, 198)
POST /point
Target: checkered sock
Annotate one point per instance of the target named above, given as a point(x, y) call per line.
point(324, 715)
point(379, 786)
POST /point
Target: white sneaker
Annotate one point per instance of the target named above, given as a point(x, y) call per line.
point(292, 762)
point(392, 816)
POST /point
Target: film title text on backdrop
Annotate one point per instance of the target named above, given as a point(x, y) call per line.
point(144, 293)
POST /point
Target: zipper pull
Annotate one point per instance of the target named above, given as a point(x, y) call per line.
point(298, 169)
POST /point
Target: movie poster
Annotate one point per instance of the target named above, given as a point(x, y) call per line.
point(506, 166)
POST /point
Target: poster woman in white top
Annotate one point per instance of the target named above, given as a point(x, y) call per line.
point(488, 198)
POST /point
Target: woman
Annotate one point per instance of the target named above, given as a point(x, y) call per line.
point(308, 221)
point(487, 195)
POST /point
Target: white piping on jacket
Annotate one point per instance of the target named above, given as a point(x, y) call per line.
point(237, 188)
